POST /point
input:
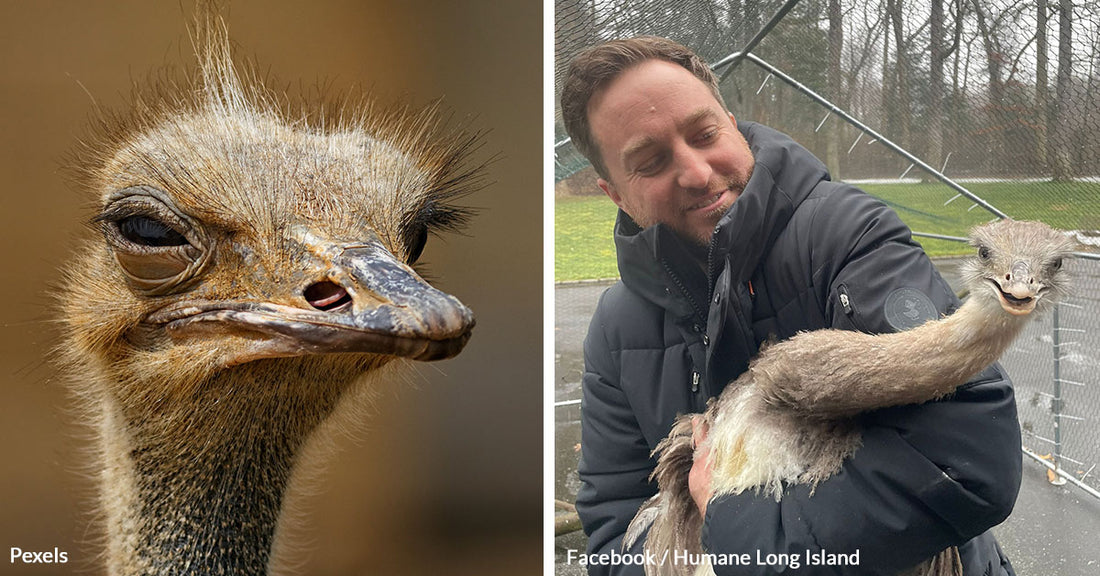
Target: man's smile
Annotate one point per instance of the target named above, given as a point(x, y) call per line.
point(707, 203)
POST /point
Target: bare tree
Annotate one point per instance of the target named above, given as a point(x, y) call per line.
point(935, 83)
point(1042, 93)
point(888, 79)
point(1060, 157)
point(574, 28)
point(750, 22)
point(899, 103)
point(995, 59)
point(861, 48)
point(836, 85)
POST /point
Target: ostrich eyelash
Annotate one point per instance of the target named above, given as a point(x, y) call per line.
point(438, 218)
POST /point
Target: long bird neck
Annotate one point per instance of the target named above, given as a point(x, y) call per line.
point(935, 358)
point(971, 339)
point(197, 488)
point(865, 372)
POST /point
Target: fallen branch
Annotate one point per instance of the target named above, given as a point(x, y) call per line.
point(569, 521)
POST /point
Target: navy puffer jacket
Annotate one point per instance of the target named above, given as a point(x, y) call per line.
point(795, 252)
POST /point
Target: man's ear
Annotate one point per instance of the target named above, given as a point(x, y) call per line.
point(732, 119)
point(609, 189)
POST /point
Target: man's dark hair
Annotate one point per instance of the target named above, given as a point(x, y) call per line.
point(596, 67)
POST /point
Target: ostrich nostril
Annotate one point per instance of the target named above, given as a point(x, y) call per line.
point(326, 295)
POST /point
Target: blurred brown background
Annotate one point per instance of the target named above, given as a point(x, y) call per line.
point(447, 479)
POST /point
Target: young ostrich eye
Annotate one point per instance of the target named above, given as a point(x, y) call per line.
point(1056, 265)
point(983, 253)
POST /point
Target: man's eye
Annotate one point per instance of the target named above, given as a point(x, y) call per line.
point(707, 135)
point(650, 166)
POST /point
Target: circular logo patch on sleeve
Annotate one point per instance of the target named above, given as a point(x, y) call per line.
point(907, 308)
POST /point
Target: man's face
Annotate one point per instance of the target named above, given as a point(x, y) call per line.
point(673, 154)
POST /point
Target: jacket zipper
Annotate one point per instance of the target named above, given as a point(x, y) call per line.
point(711, 276)
point(845, 300)
point(699, 312)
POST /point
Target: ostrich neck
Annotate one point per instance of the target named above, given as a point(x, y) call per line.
point(215, 512)
point(839, 374)
point(969, 340)
point(197, 488)
point(935, 358)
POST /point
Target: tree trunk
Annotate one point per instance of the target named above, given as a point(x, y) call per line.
point(1042, 91)
point(888, 95)
point(752, 109)
point(574, 28)
point(901, 103)
point(835, 129)
point(1061, 161)
point(956, 97)
point(993, 58)
point(937, 108)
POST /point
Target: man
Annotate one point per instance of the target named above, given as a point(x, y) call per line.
point(729, 234)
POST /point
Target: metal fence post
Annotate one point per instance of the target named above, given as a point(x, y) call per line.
point(1056, 402)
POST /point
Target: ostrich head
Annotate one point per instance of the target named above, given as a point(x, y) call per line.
point(232, 232)
point(1018, 265)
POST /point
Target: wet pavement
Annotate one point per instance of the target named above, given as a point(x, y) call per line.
point(1053, 529)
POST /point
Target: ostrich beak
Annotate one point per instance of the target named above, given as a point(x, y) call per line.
point(1018, 292)
point(371, 303)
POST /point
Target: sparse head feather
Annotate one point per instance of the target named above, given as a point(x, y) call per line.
point(231, 147)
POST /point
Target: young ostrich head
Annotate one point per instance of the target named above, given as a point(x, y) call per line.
point(254, 270)
point(1018, 265)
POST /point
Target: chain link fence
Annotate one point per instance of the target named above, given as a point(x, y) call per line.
point(1055, 366)
point(954, 112)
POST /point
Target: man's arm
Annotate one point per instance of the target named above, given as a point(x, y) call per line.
point(927, 476)
point(904, 496)
point(615, 463)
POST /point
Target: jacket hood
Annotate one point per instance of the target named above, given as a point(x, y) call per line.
point(651, 259)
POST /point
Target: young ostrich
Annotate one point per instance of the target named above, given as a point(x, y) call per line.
point(254, 275)
point(781, 421)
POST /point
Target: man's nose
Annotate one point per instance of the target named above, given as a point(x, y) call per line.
point(694, 170)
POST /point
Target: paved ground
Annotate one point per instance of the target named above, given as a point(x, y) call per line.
point(1053, 530)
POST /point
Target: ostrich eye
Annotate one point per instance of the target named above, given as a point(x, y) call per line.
point(417, 241)
point(146, 231)
point(1056, 265)
point(983, 253)
point(158, 248)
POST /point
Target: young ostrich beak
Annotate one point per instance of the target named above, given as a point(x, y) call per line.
point(1018, 292)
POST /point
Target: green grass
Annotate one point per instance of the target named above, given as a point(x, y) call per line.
point(583, 245)
point(583, 225)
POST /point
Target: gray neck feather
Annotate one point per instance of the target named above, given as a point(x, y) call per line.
point(978, 334)
point(197, 488)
